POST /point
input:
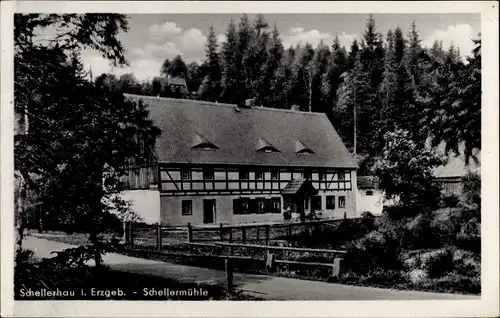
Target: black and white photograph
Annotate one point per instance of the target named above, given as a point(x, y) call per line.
point(248, 156)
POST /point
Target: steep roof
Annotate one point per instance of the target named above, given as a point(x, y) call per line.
point(237, 131)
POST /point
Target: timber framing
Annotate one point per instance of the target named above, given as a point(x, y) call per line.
point(227, 181)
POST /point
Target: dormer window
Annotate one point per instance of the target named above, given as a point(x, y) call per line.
point(265, 146)
point(200, 142)
point(300, 147)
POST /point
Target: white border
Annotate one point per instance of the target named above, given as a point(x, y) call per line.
point(486, 306)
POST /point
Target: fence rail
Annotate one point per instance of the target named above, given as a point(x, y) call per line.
point(221, 241)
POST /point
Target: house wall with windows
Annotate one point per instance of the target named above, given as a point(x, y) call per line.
point(250, 194)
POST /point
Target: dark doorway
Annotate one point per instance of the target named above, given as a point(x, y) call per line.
point(208, 211)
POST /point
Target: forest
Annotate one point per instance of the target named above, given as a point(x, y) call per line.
point(379, 84)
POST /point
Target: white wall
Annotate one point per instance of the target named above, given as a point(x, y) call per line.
point(146, 203)
point(371, 203)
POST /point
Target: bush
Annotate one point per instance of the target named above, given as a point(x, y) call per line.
point(419, 233)
point(374, 251)
point(368, 220)
point(467, 263)
point(437, 263)
point(450, 201)
point(472, 189)
point(454, 282)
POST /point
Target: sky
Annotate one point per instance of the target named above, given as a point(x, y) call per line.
point(152, 38)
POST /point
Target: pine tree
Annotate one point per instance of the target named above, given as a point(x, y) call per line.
point(230, 70)
point(256, 60)
point(337, 65)
point(244, 61)
point(353, 110)
point(399, 45)
point(211, 88)
point(287, 77)
point(353, 53)
point(272, 83)
point(388, 87)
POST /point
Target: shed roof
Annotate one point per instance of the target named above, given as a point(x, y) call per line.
point(298, 185)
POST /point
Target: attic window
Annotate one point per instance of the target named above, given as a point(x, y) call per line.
point(264, 146)
point(300, 147)
point(200, 142)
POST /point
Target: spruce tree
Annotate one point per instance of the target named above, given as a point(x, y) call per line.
point(337, 65)
point(230, 71)
point(211, 87)
point(272, 83)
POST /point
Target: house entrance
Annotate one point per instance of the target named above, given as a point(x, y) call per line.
point(298, 193)
point(208, 211)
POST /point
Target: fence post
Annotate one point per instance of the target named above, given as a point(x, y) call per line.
point(258, 234)
point(158, 236)
point(337, 267)
point(267, 234)
point(125, 233)
point(190, 236)
point(289, 230)
point(131, 234)
point(229, 275)
point(221, 233)
point(243, 235)
point(231, 249)
point(270, 261)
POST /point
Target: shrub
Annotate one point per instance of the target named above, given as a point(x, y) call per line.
point(437, 263)
point(419, 233)
point(368, 220)
point(454, 282)
point(467, 263)
point(469, 235)
point(417, 276)
point(374, 251)
point(472, 189)
point(450, 201)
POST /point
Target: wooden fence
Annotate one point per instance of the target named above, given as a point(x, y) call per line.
point(223, 239)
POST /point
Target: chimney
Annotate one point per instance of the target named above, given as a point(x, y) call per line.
point(295, 108)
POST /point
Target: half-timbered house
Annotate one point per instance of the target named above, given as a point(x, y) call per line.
point(220, 163)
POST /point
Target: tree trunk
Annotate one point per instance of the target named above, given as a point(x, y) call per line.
point(20, 211)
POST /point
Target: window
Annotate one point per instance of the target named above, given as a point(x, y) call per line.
point(369, 192)
point(307, 174)
point(187, 207)
point(241, 206)
point(274, 174)
point(341, 202)
point(186, 174)
point(259, 175)
point(330, 202)
point(208, 174)
point(260, 205)
point(322, 175)
point(341, 176)
point(243, 174)
point(316, 203)
point(256, 206)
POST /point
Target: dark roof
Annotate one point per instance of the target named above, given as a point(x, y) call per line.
point(236, 132)
point(176, 81)
point(298, 185)
point(367, 182)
